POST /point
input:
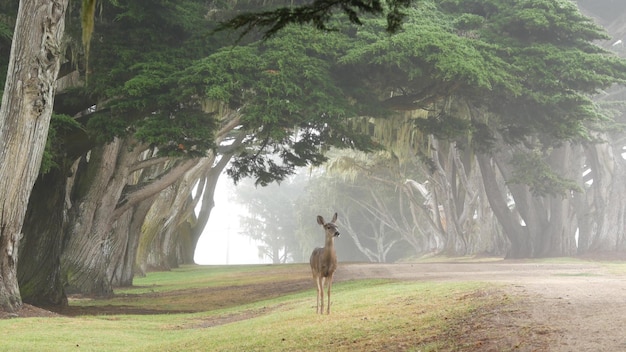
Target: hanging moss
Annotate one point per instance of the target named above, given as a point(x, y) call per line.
point(87, 20)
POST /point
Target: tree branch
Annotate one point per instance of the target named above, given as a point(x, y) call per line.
point(134, 194)
point(318, 13)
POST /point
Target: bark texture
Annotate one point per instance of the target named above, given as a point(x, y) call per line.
point(40, 275)
point(24, 120)
point(107, 194)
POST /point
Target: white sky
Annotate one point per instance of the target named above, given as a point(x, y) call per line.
point(221, 241)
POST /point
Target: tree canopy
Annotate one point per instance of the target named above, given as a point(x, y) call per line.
point(533, 73)
point(290, 98)
point(530, 65)
point(319, 13)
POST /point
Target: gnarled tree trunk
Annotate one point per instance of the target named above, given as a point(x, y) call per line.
point(122, 273)
point(89, 247)
point(171, 230)
point(24, 120)
point(106, 197)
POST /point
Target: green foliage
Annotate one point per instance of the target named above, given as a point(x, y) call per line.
point(104, 127)
point(291, 102)
point(8, 9)
point(468, 22)
point(320, 14)
point(429, 58)
point(140, 54)
point(443, 126)
point(549, 47)
point(226, 75)
point(530, 65)
point(59, 125)
point(190, 135)
point(532, 170)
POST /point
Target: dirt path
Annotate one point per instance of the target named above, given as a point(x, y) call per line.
point(558, 307)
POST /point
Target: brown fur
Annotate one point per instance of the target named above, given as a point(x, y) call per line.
point(324, 262)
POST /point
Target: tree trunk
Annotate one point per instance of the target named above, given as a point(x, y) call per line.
point(154, 250)
point(561, 234)
point(520, 246)
point(456, 197)
point(84, 261)
point(24, 120)
point(444, 206)
point(107, 194)
point(172, 210)
point(603, 212)
point(124, 273)
point(40, 276)
point(161, 252)
point(538, 225)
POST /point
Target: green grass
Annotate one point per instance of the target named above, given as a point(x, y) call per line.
point(373, 315)
point(367, 316)
point(192, 276)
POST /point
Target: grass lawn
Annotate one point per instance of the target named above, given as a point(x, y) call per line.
point(244, 308)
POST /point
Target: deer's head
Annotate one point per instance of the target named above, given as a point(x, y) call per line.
point(329, 227)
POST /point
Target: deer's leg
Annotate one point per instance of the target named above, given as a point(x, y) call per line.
point(330, 284)
point(322, 283)
point(320, 292)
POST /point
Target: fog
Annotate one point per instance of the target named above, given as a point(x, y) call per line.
point(221, 242)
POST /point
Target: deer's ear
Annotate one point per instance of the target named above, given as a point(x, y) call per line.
point(334, 218)
point(320, 220)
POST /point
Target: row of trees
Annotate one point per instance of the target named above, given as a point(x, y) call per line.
point(158, 104)
point(523, 190)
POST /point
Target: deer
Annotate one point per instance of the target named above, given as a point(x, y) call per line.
point(324, 263)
